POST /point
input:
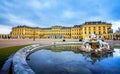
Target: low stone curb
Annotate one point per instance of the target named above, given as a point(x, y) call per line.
point(20, 65)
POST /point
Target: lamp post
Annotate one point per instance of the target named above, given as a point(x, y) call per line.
point(34, 35)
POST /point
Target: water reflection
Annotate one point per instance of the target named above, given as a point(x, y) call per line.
point(68, 59)
point(75, 48)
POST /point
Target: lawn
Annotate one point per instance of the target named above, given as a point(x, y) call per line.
point(6, 52)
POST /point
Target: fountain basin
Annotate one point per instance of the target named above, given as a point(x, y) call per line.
point(68, 59)
point(20, 65)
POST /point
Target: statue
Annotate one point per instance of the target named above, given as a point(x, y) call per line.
point(93, 43)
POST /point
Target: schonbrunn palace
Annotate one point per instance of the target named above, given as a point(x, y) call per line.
point(102, 29)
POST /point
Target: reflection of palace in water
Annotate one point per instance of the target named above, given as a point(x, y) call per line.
point(75, 48)
point(96, 57)
point(59, 48)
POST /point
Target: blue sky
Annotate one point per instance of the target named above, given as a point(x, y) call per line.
point(46, 13)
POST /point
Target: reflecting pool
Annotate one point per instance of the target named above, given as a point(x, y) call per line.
point(68, 59)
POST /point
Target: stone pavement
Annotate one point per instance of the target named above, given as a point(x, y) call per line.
point(17, 42)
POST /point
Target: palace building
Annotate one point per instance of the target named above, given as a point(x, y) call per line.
point(5, 36)
point(77, 31)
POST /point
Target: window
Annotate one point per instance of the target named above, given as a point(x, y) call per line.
point(89, 28)
point(89, 32)
point(103, 27)
point(104, 32)
point(109, 28)
point(99, 28)
point(99, 32)
point(94, 32)
point(94, 28)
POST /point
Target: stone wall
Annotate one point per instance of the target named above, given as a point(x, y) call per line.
point(20, 65)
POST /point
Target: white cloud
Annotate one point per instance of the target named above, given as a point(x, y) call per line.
point(115, 25)
point(68, 14)
point(19, 21)
point(37, 4)
point(52, 12)
point(5, 29)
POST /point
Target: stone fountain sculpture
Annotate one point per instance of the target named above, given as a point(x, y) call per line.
point(94, 43)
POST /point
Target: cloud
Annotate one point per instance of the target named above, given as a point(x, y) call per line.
point(41, 4)
point(115, 25)
point(68, 14)
point(16, 20)
point(37, 4)
point(19, 21)
point(46, 13)
point(5, 29)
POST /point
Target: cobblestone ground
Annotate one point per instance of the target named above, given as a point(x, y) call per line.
point(17, 42)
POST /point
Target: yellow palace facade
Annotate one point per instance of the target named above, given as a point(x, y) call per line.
point(77, 31)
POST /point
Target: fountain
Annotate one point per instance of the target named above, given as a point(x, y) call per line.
point(94, 44)
point(68, 59)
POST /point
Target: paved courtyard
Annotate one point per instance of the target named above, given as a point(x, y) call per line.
point(17, 42)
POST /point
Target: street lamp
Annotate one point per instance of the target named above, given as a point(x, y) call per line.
point(34, 35)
